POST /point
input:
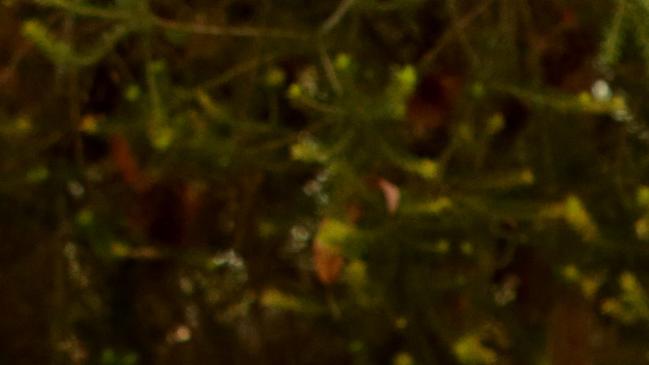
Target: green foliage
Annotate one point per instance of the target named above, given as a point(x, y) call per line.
point(632, 305)
point(62, 54)
point(470, 350)
point(353, 182)
point(110, 357)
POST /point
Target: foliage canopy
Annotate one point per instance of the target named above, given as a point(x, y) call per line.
point(354, 182)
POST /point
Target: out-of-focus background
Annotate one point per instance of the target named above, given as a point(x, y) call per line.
point(326, 182)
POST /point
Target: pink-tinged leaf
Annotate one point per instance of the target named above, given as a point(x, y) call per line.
point(125, 162)
point(391, 193)
point(327, 262)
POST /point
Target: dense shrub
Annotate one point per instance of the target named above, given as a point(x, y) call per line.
point(354, 182)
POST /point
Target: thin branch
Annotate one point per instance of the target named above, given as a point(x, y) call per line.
point(318, 106)
point(336, 16)
point(290, 138)
point(446, 38)
point(611, 45)
point(88, 11)
point(152, 85)
point(459, 33)
point(73, 95)
point(9, 70)
point(194, 28)
point(236, 71)
point(213, 30)
point(330, 72)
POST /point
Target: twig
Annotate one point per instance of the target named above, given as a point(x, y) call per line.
point(461, 36)
point(336, 16)
point(330, 72)
point(429, 56)
point(152, 85)
point(74, 103)
point(318, 106)
point(89, 11)
point(194, 28)
point(213, 30)
point(236, 71)
point(7, 73)
point(610, 47)
point(291, 138)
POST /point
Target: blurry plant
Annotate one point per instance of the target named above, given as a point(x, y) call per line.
point(632, 305)
point(470, 350)
point(111, 357)
point(374, 178)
